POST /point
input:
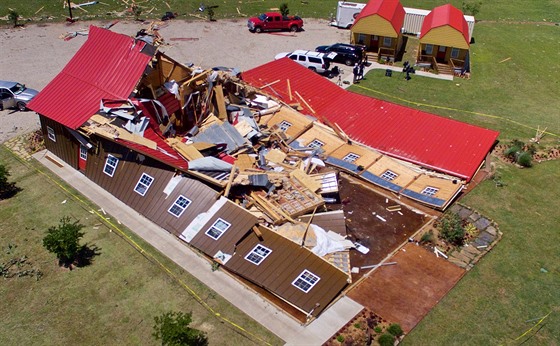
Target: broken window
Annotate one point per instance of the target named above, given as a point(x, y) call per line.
point(143, 184)
point(351, 157)
point(429, 191)
point(217, 229)
point(258, 254)
point(389, 176)
point(306, 280)
point(284, 125)
point(110, 165)
point(50, 134)
point(315, 144)
point(181, 203)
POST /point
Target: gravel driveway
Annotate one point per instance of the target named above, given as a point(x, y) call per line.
point(34, 54)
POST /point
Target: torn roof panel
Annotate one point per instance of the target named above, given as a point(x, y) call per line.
point(224, 133)
point(425, 139)
point(108, 65)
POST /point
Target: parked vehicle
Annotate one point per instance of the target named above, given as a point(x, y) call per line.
point(15, 95)
point(348, 54)
point(274, 21)
point(346, 13)
point(318, 62)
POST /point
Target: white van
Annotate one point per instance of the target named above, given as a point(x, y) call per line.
point(315, 61)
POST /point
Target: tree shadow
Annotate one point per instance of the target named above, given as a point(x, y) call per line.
point(86, 254)
point(9, 191)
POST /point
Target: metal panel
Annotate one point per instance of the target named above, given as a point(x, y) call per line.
point(66, 147)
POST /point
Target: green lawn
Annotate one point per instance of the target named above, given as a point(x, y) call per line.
point(114, 300)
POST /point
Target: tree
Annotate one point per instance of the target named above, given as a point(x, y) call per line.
point(472, 8)
point(172, 328)
point(64, 240)
point(7, 189)
point(13, 17)
point(451, 228)
point(284, 9)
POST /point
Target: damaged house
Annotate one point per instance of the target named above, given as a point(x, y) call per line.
point(240, 170)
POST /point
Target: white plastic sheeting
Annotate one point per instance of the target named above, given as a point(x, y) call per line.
point(329, 242)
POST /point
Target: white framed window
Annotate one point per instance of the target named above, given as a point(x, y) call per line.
point(315, 144)
point(217, 229)
point(284, 125)
point(361, 38)
point(351, 157)
point(389, 175)
point(51, 134)
point(83, 152)
point(429, 49)
point(306, 280)
point(179, 206)
point(110, 165)
point(143, 184)
point(454, 53)
point(258, 254)
point(429, 191)
point(387, 41)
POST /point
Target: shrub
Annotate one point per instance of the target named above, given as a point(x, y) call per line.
point(378, 329)
point(395, 329)
point(451, 228)
point(524, 159)
point(13, 17)
point(386, 340)
point(64, 240)
point(284, 9)
point(512, 151)
point(7, 189)
point(172, 328)
point(472, 8)
point(427, 237)
point(340, 338)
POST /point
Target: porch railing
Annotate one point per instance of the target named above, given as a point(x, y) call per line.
point(427, 61)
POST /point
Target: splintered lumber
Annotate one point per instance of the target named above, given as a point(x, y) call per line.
point(378, 265)
point(269, 84)
point(307, 226)
point(305, 102)
point(306, 180)
point(290, 90)
point(244, 161)
point(230, 180)
point(258, 232)
point(394, 208)
point(189, 151)
point(276, 156)
point(219, 95)
point(100, 119)
point(113, 132)
point(268, 208)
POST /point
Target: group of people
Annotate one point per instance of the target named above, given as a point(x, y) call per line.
point(358, 71)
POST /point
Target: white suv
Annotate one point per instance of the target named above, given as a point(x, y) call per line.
point(318, 62)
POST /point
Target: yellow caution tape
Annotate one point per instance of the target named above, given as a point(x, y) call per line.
point(146, 254)
point(533, 327)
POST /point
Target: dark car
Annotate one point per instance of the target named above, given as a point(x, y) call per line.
point(348, 54)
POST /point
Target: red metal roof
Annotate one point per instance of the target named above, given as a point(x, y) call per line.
point(108, 65)
point(426, 139)
point(446, 15)
point(391, 10)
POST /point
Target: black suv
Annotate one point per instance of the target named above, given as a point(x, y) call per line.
point(347, 54)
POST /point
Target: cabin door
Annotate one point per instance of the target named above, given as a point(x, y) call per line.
point(82, 158)
point(440, 57)
point(374, 43)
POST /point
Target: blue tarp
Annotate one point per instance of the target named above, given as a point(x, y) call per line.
point(424, 198)
point(342, 164)
point(381, 182)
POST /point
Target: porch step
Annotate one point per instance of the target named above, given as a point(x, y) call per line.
point(444, 69)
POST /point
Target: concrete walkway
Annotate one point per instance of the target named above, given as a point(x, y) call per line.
point(285, 327)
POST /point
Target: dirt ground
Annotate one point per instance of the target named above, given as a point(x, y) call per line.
point(404, 293)
point(35, 54)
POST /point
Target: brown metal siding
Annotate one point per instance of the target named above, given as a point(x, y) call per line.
point(283, 265)
point(66, 147)
point(329, 221)
point(241, 221)
point(153, 204)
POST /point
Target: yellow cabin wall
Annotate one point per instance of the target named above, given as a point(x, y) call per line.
point(404, 174)
point(299, 122)
point(445, 36)
point(374, 25)
point(367, 156)
point(446, 188)
point(331, 142)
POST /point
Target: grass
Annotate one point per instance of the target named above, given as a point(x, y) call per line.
point(112, 301)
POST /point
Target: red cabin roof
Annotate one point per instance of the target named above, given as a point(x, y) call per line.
point(428, 140)
point(391, 10)
point(107, 66)
point(446, 15)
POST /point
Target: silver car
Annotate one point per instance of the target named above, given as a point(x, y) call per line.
point(15, 95)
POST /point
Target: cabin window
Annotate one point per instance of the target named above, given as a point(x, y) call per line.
point(429, 191)
point(351, 157)
point(110, 165)
point(143, 184)
point(454, 53)
point(217, 229)
point(284, 125)
point(50, 134)
point(361, 38)
point(83, 152)
point(389, 176)
point(429, 49)
point(258, 254)
point(306, 280)
point(181, 203)
point(387, 41)
point(315, 144)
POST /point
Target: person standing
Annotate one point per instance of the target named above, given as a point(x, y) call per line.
point(361, 71)
point(356, 71)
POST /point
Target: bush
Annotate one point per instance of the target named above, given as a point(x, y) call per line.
point(7, 189)
point(378, 329)
point(64, 240)
point(525, 159)
point(451, 228)
point(172, 328)
point(13, 17)
point(471, 8)
point(512, 151)
point(284, 9)
point(395, 329)
point(340, 338)
point(386, 340)
point(427, 237)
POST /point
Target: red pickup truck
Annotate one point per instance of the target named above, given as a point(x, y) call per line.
point(274, 21)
